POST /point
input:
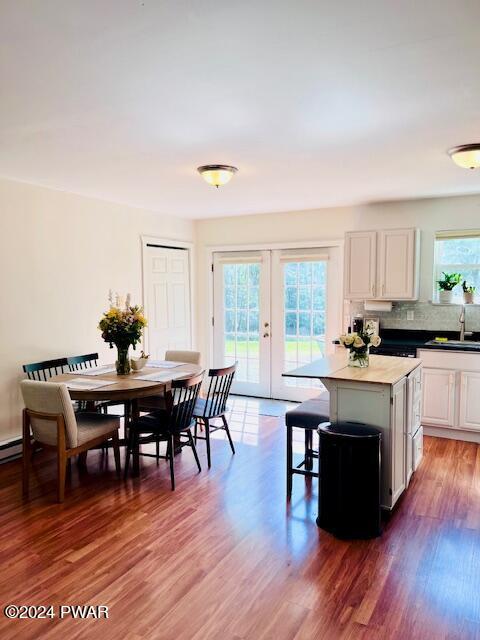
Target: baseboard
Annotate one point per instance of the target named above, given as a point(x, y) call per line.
point(10, 450)
point(452, 434)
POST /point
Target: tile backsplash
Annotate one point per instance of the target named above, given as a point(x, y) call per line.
point(426, 316)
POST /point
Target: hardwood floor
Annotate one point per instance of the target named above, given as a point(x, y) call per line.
point(225, 557)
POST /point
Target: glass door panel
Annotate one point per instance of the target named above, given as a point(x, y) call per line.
point(241, 298)
point(304, 302)
point(306, 314)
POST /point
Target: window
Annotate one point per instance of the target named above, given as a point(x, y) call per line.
point(458, 252)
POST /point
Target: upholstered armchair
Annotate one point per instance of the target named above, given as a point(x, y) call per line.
point(50, 417)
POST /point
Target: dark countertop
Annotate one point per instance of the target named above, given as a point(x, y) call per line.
point(418, 339)
point(422, 339)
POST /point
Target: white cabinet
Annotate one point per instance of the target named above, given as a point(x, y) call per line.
point(438, 397)
point(397, 264)
point(399, 424)
point(382, 265)
point(360, 265)
point(451, 389)
point(469, 400)
point(414, 417)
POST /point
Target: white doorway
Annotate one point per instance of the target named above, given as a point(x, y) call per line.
point(275, 310)
point(167, 298)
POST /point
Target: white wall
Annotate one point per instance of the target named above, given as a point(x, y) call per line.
point(429, 215)
point(59, 255)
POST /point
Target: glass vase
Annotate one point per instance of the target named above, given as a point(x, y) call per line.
point(123, 361)
point(359, 357)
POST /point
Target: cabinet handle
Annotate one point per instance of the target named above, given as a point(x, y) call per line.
point(373, 290)
point(383, 288)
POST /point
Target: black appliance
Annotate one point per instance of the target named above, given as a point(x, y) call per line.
point(398, 350)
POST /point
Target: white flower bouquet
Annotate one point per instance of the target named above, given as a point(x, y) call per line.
point(358, 343)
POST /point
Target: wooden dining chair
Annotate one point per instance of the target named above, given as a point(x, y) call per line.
point(177, 420)
point(50, 416)
point(214, 405)
point(46, 369)
point(157, 403)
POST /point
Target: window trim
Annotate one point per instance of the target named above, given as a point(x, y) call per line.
point(439, 267)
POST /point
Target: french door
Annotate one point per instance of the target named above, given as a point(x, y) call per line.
point(275, 311)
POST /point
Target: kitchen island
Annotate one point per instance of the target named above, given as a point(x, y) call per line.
point(386, 395)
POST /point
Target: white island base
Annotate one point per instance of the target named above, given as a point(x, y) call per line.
point(386, 395)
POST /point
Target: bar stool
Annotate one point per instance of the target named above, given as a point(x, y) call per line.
point(307, 416)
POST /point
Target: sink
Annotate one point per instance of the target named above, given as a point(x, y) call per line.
point(456, 343)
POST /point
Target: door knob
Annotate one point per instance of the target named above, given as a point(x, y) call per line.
point(266, 324)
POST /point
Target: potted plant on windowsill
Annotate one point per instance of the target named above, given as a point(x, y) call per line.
point(446, 285)
point(468, 292)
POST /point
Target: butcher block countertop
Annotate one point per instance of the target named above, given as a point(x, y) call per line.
point(382, 369)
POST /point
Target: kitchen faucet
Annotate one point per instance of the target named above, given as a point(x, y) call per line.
point(462, 324)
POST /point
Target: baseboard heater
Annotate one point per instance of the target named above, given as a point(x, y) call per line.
point(10, 450)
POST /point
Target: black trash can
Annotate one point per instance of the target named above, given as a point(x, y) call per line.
point(349, 483)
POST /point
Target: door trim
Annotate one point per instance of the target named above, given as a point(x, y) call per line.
point(168, 243)
point(267, 246)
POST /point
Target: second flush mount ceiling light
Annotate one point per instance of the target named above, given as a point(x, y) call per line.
point(217, 174)
point(466, 156)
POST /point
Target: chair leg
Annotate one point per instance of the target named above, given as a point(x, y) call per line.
point(289, 461)
point(171, 454)
point(225, 426)
point(194, 449)
point(136, 453)
point(116, 453)
point(82, 459)
point(27, 457)
point(206, 422)
point(128, 452)
point(61, 473)
point(195, 429)
point(157, 445)
point(308, 450)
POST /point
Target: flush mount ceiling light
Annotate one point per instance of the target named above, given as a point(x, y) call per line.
point(217, 174)
point(466, 155)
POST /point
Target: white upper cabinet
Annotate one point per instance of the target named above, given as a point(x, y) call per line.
point(382, 265)
point(360, 265)
point(396, 265)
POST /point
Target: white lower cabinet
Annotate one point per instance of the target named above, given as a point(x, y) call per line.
point(469, 400)
point(438, 397)
point(451, 389)
point(399, 430)
point(417, 443)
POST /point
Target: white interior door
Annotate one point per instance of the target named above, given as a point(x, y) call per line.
point(167, 300)
point(242, 318)
point(274, 311)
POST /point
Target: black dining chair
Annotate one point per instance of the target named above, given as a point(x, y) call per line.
point(42, 371)
point(79, 363)
point(214, 405)
point(176, 420)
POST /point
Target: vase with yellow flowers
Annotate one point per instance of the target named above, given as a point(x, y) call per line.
point(122, 325)
point(358, 343)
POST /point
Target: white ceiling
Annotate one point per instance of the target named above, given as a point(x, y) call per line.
point(317, 102)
